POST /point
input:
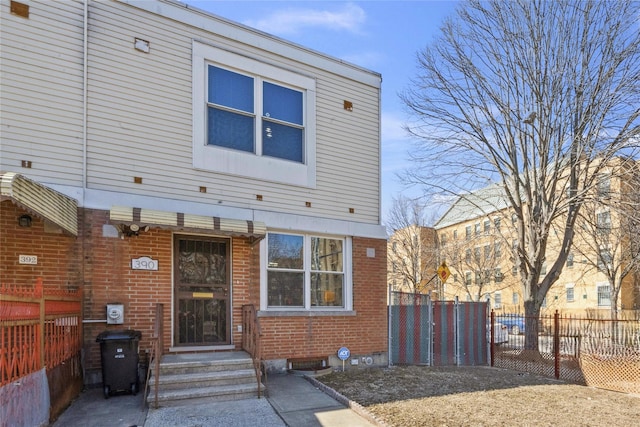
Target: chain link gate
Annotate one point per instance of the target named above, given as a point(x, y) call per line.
point(436, 333)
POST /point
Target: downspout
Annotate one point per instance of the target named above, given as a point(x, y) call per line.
point(85, 62)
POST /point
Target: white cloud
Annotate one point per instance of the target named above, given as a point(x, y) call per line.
point(392, 127)
point(349, 17)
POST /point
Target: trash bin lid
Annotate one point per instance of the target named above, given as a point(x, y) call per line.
point(121, 335)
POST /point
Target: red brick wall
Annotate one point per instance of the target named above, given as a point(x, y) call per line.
point(102, 267)
point(366, 333)
point(59, 255)
point(109, 278)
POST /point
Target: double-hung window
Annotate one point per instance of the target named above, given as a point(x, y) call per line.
point(306, 272)
point(251, 118)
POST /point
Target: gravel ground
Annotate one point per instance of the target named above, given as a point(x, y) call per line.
point(406, 396)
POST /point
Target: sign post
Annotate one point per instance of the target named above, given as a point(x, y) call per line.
point(343, 354)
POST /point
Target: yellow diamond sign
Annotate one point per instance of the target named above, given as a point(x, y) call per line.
point(443, 272)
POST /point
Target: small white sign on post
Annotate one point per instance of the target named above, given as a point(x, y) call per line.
point(28, 259)
point(144, 263)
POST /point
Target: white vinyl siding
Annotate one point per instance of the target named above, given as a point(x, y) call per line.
point(142, 126)
point(41, 105)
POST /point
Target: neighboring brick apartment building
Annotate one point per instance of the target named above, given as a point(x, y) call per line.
point(208, 165)
point(476, 237)
point(412, 260)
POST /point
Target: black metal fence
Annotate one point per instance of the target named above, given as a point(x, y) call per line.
point(597, 352)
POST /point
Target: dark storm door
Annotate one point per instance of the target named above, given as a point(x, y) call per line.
point(202, 291)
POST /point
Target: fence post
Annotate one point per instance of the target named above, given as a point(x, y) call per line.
point(556, 344)
point(389, 331)
point(492, 338)
point(39, 293)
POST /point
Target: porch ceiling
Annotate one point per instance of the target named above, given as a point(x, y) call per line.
point(40, 200)
point(187, 222)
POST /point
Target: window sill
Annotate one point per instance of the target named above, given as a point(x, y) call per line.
point(305, 313)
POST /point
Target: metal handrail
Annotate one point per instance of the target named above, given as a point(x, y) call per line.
point(251, 339)
point(157, 346)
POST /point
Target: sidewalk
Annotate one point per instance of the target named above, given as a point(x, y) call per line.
point(291, 401)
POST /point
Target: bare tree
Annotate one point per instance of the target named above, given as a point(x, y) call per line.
point(609, 231)
point(477, 261)
point(538, 96)
point(411, 253)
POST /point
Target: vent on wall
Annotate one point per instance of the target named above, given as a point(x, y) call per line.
point(20, 9)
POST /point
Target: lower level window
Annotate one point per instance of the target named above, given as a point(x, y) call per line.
point(604, 294)
point(306, 272)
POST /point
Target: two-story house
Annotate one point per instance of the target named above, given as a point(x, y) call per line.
point(155, 153)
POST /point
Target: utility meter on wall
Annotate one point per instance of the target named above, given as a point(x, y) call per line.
point(115, 314)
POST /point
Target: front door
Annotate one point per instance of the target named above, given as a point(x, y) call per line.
point(202, 291)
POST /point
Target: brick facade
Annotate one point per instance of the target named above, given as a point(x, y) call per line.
point(99, 261)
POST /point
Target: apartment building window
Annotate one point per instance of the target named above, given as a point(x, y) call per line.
point(603, 290)
point(497, 275)
point(467, 256)
point(307, 272)
point(497, 299)
point(251, 118)
point(496, 224)
point(443, 239)
point(467, 278)
point(604, 259)
point(604, 186)
point(487, 252)
point(467, 231)
point(477, 228)
point(487, 226)
point(514, 218)
point(455, 278)
point(543, 268)
point(476, 254)
point(570, 260)
point(455, 234)
point(497, 250)
point(515, 298)
point(570, 292)
point(478, 278)
point(603, 223)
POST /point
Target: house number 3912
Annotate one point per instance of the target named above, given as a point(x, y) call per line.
point(144, 263)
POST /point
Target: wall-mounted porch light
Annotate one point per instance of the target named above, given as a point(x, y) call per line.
point(24, 221)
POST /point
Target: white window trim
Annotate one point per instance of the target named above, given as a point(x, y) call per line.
point(347, 283)
point(598, 286)
point(232, 162)
point(570, 286)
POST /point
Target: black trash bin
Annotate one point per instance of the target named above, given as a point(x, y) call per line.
point(119, 355)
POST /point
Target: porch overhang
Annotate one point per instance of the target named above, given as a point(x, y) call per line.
point(187, 222)
point(40, 201)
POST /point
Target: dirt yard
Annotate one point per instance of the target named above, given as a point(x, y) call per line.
point(405, 396)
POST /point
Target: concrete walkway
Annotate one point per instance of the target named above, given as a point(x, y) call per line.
point(291, 401)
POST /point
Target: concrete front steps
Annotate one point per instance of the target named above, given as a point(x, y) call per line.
point(187, 378)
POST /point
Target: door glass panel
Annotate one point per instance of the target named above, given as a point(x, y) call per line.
point(202, 292)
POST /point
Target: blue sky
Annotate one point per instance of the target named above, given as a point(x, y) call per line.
point(383, 36)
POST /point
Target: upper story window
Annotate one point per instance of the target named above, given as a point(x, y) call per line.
point(305, 272)
point(604, 186)
point(477, 228)
point(232, 119)
point(252, 119)
point(496, 224)
point(603, 222)
point(467, 232)
point(487, 226)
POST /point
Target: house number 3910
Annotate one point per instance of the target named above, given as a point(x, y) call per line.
point(144, 263)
